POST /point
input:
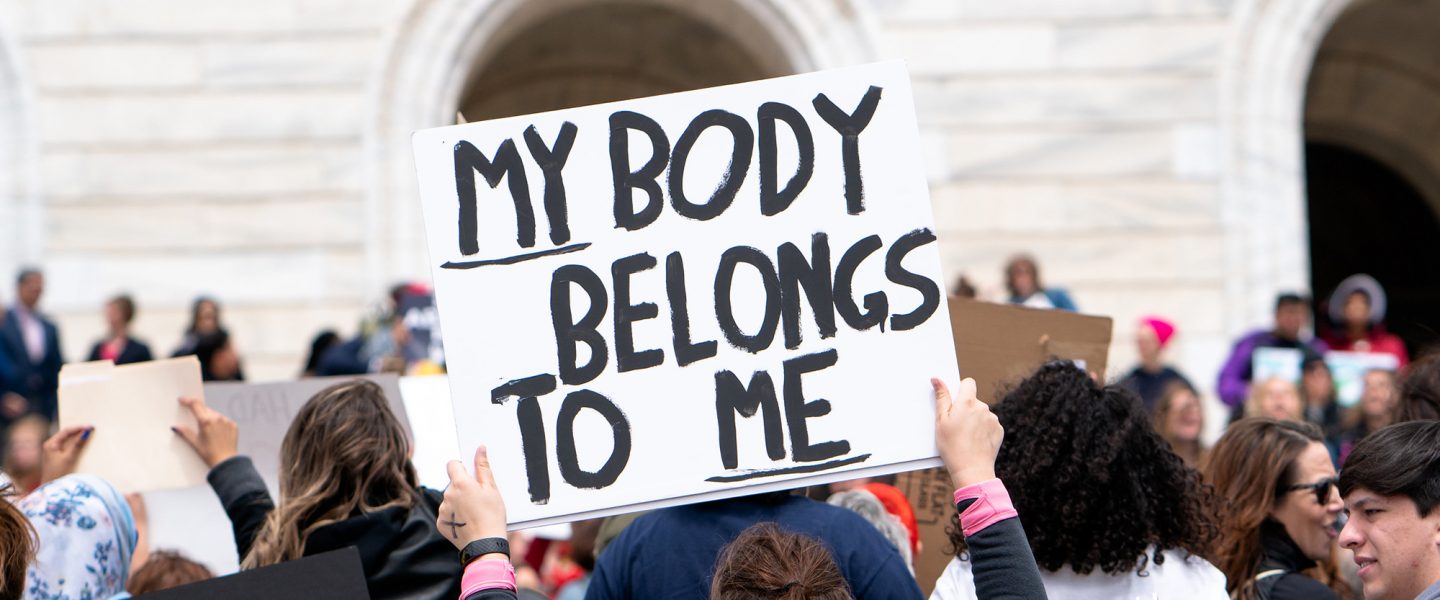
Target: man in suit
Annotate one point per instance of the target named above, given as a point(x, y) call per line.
point(31, 343)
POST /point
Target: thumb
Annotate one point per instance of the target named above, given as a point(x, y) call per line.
point(482, 466)
point(942, 396)
point(456, 471)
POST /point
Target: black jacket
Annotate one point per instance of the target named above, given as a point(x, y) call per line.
point(1281, 554)
point(403, 555)
point(133, 352)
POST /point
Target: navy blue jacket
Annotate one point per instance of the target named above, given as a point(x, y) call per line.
point(671, 553)
point(37, 382)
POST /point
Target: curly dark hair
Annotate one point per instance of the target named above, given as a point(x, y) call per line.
point(1093, 482)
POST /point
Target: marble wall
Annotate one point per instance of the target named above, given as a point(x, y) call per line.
point(257, 151)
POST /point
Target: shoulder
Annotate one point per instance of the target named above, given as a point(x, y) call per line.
point(1189, 572)
point(955, 583)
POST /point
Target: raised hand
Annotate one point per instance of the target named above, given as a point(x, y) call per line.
point(217, 438)
point(967, 434)
point(472, 509)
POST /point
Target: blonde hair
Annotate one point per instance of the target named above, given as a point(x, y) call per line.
point(345, 454)
point(1253, 402)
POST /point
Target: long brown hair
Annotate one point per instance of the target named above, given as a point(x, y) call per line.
point(17, 546)
point(344, 455)
point(1247, 467)
point(766, 562)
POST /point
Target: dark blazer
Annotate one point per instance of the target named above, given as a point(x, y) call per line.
point(133, 352)
point(37, 382)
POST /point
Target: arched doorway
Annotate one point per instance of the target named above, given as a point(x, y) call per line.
point(497, 57)
point(1372, 131)
point(602, 53)
point(1367, 218)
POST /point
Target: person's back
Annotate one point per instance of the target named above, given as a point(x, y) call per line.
point(1110, 511)
point(1179, 576)
point(346, 480)
point(671, 553)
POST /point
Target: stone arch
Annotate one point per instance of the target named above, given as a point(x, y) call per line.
point(434, 55)
point(1269, 50)
point(19, 202)
point(1375, 87)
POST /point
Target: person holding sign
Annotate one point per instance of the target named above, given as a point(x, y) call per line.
point(346, 480)
point(1110, 511)
point(968, 438)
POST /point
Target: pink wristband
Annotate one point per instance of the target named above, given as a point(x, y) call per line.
point(487, 575)
point(992, 505)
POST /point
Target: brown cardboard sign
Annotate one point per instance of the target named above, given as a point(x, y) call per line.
point(999, 344)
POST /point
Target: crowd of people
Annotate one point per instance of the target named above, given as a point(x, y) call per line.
point(1065, 487)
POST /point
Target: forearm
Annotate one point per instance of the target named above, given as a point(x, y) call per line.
point(244, 497)
point(1002, 564)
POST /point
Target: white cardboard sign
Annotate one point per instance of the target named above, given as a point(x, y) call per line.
point(692, 296)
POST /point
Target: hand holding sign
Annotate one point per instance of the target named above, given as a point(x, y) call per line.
point(967, 434)
point(473, 509)
point(62, 452)
point(216, 438)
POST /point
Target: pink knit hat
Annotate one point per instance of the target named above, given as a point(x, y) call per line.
point(1164, 330)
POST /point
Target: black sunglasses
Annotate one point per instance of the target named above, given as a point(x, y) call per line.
point(1321, 488)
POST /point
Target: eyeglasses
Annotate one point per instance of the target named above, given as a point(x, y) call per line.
point(1321, 488)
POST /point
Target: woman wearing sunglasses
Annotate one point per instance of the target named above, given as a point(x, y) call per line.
point(1280, 506)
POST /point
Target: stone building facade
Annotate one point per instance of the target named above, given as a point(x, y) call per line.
point(1150, 153)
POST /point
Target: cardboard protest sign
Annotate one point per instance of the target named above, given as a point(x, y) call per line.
point(692, 296)
point(998, 344)
point(335, 575)
point(132, 408)
point(933, 498)
point(263, 412)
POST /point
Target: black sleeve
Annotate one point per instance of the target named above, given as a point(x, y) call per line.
point(1298, 586)
point(1001, 562)
point(246, 500)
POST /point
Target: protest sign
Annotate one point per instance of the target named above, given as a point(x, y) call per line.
point(692, 296)
point(263, 412)
point(427, 403)
point(1348, 370)
point(133, 408)
point(998, 344)
point(1269, 363)
point(933, 497)
point(335, 575)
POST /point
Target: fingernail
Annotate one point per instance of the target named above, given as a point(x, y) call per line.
point(174, 429)
point(86, 435)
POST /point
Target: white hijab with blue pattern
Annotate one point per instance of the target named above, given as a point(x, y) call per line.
point(87, 537)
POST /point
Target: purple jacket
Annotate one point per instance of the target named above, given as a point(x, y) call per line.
point(1235, 375)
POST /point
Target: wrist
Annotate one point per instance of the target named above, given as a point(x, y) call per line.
point(961, 478)
point(217, 458)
